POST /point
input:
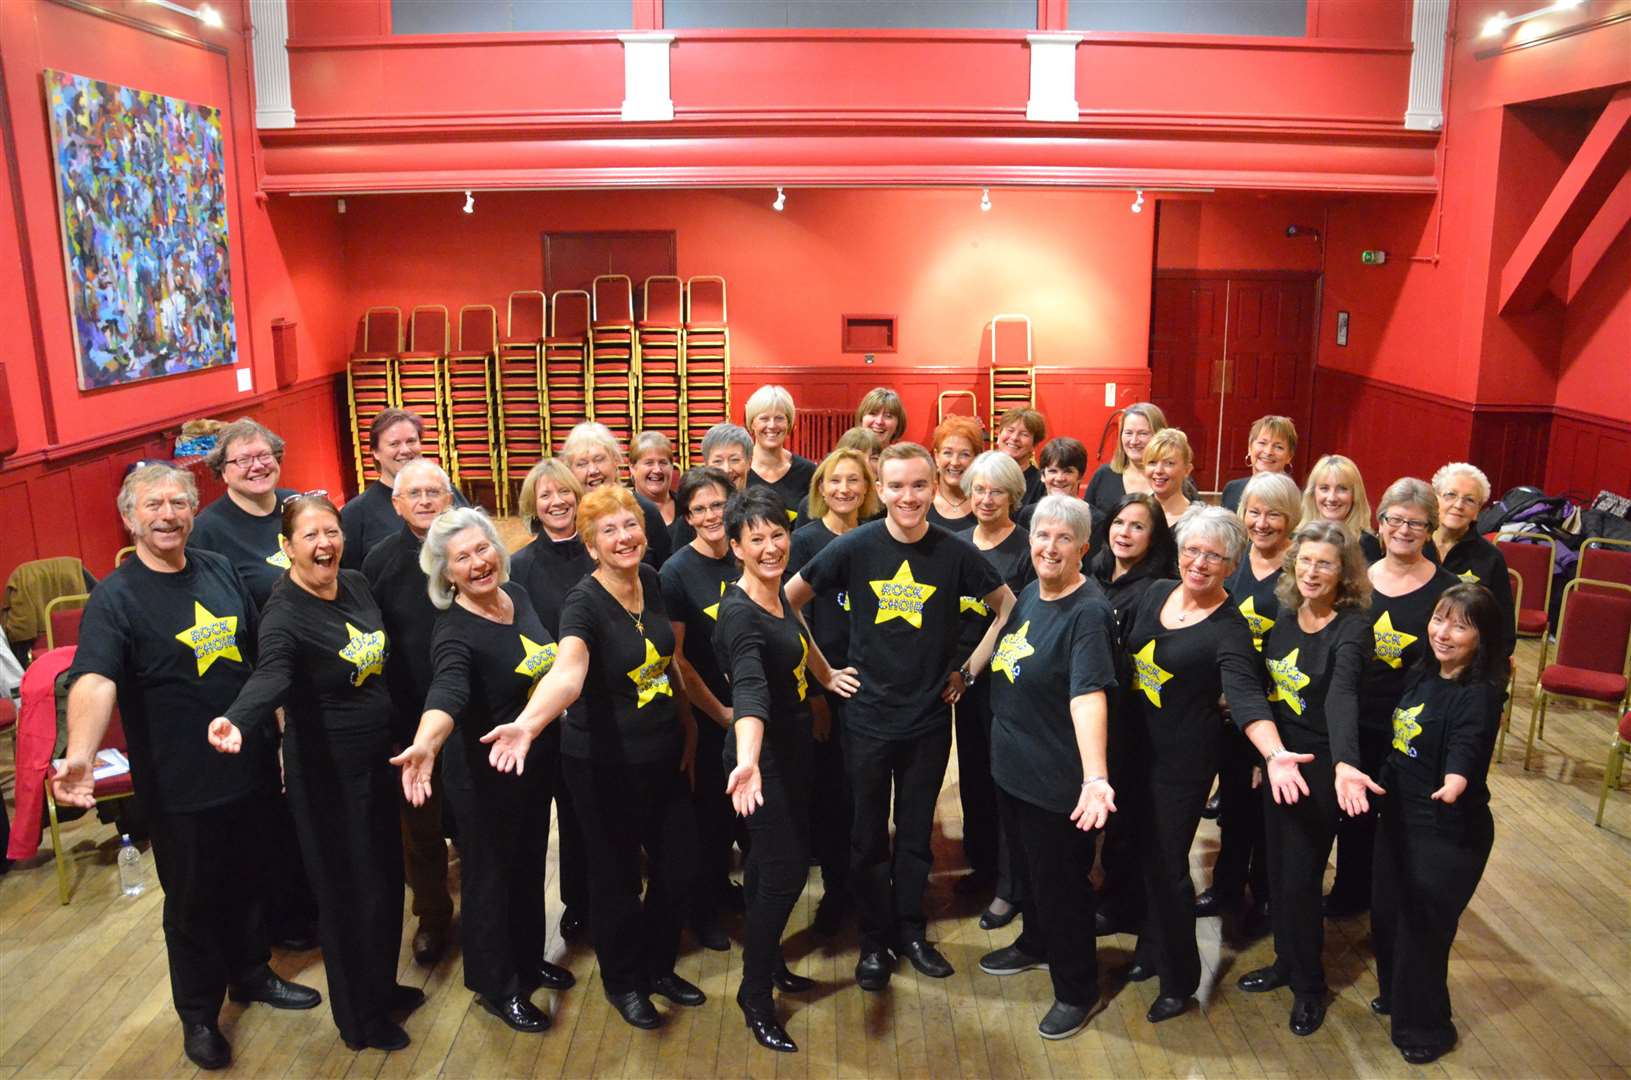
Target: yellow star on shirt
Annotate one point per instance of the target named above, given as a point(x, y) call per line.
point(800, 671)
point(279, 559)
point(901, 597)
point(1391, 643)
point(1469, 577)
point(650, 677)
point(537, 661)
point(1406, 727)
point(365, 652)
point(1288, 679)
point(972, 603)
point(792, 515)
point(1260, 624)
point(1011, 650)
point(211, 638)
point(1149, 676)
point(712, 610)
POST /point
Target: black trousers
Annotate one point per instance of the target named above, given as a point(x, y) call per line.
point(345, 796)
point(1121, 887)
point(1299, 837)
point(778, 866)
point(1169, 807)
point(212, 865)
point(985, 836)
point(503, 854)
point(1240, 822)
point(1052, 857)
point(1429, 859)
point(889, 884)
point(716, 825)
point(574, 869)
point(424, 854)
point(1356, 836)
point(291, 908)
point(832, 809)
point(624, 809)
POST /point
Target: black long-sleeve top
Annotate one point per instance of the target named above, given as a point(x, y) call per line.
point(400, 589)
point(1011, 559)
point(370, 518)
point(1255, 598)
point(549, 570)
point(1399, 633)
point(827, 613)
point(1476, 561)
point(1314, 683)
point(1441, 726)
point(766, 657)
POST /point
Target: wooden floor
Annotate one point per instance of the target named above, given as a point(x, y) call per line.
point(1541, 979)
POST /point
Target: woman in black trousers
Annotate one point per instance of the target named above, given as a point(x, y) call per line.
point(489, 648)
point(769, 662)
point(628, 756)
point(1315, 655)
point(322, 657)
point(1435, 830)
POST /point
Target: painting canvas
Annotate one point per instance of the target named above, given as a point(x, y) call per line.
point(141, 182)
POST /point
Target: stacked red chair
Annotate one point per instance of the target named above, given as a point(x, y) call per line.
point(371, 381)
point(419, 371)
point(706, 363)
point(614, 358)
point(661, 332)
point(472, 442)
point(566, 365)
point(523, 405)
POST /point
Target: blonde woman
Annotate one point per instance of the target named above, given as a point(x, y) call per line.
point(653, 471)
point(1336, 492)
point(882, 413)
point(1168, 461)
point(770, 416)
point(1124, 474)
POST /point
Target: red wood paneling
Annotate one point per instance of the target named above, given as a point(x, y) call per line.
point(1589, 453)
point(1388, 430)
point(1510, 445)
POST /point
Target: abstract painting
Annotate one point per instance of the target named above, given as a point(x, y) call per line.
point(141, 182)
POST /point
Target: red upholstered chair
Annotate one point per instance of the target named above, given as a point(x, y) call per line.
point(62, 617)
point(1533, 561)
point(1593, 663)
point(1616, 762)
point(1516, 581)
point(1605, 560)
point(114, 787)
point(614, 302)
point(524, 322)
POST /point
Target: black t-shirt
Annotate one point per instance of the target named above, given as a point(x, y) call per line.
point(1034, 490)
point(1178, 676)
point(370, 518)
point(951, 524)
point(659, 544)
point(179, 647)
point(322, 660)
point(1439, 727)
point(768, 657)
point(1104, 490)
point(904, 620)
point(1314, 683)
point(1011, 559)
point(1254, 597)
point(626, 712)
point(1476, 561)
point(828, 615)
point(549, 570)
point(485, 671)
point(400, 589)
point(1371, 547)
point(793, 487)
point(693, 585)
point(250, 543)
point(1399, 631)
point(1054, 650)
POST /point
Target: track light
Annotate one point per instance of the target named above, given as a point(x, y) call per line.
point(205, 14)
point(985, 200)
point(1500, 22)
point(1138, 203)
point(781, 201)
point(469, 203)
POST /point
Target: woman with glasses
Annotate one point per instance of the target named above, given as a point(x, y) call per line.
point(1315, 654)
point(1191, 649)
point(243, 525)
point(770, 416)
point(1405, 587)
point(1462, 491)
point(1336, 492)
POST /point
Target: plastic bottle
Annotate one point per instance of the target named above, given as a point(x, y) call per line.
point(132, 880)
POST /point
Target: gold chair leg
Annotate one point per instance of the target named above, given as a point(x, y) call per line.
point(57, 853)
point(1506, 721)
point(1611, 776)
point(1537, 715)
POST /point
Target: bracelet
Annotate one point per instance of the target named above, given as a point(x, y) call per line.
point(1091, 780)
point(1281, 752)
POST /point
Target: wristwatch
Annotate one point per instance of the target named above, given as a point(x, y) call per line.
point(968, 676)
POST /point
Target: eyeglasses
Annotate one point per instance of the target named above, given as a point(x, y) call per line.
point(414, 495)
point(314, 493)
point(1402, 524)
point(1460, 500)
point(1205, 558)
point(704, 509)
point(249, 461)
point(1317, 565)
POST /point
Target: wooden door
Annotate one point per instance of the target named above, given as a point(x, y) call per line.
point(1187, 340)
point(572, 260)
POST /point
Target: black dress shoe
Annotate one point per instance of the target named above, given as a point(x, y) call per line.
point(712, 937)
point(927, 959)
point(1010, 960)
point(1381, 1005)
point(428, 944)
point(1307, 1014)
point(767, 1029)
point(1105, 924)
point(1213, 805)
point(873, 970)
point(553, 976)
point(677, 990)
point(789, 982)
point(830, 912)
point(635, 1008)
point(990, 920)
point(1262, 980)
point(1423, 1055)
point(1165, 1008)
point(573, 924)
point(267, 988)
point(1210, 904)
point(382, 1035)
point(1063, 1021)
point(205, 1046)
point(517, 1012)
point(405, 999)
point(1138, 971)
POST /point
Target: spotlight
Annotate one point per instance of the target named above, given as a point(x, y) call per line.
point(209, 16)
point(985, 200)
point(781, 201)
point(1138, 203)
point(1501, 22)
point(1494, 24)
point(205, 14)
point(469, 203)
point(1294, 231)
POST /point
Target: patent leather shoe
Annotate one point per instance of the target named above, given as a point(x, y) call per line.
point(677, 990)
point(205, 1046)
point(1262, 980)
point(516, 1011)
point(927, 959)
point(991, 920)
point(1423, 1055)
point(872, 971)
point(266, 987)
point(768, 1030)
point(636, 1009)
point(554, 977)
point(1210, 904)
point(1138, 971)
point(1307, 1014)
point(1381, 1006)
point(573, 924)
point(1165, 1008)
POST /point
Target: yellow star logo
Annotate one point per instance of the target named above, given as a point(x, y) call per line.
point(1011, 650)
point(537, 661)
point(1260, 624)
point(278, 559)
point(712, 610)
point(972, 603)
point(800, 673)
point(1288, 679)
point(1149, 676)
point(1469, 577)
point(211, 638)
point(650, 678)
point(792, 515)
point(901, 597)
point(1391, 643)
point(365, 652)
point(1406, 727)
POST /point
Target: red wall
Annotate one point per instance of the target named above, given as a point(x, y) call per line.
point(1238, 233)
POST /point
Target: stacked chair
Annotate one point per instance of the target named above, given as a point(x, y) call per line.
point(370, 381)
point(566, 364)
point(661, 332)
point(523, 407)
point(705, 351)
point(419, 376)
point(614, 359)
point(471, 430)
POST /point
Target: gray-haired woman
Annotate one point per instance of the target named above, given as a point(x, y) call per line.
point(488, 650)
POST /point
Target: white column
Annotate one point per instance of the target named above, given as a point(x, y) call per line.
point(1053, 78)
point(1428, 24)
point(645, 76)
point(274, 107)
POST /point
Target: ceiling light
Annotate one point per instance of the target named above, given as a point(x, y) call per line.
point(205, 14)
point(469, 203)
point(1500, 22)
point(209, 16)
point(781, 201)
point(1138, 203)
point(985, 200)
point(1495, 24)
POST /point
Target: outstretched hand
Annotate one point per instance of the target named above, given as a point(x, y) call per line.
point(1094, 806)
point(1354, 789)
point(225, 736)
point(510, 743)
point(416, 763)
point(72, 783)
point(1286, 779)
point(1454, 785)
point(746, 788)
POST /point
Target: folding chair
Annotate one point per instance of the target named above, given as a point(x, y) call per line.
point(1593, 662)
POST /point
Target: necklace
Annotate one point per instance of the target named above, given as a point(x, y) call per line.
point(956, 504)
point(638, 620)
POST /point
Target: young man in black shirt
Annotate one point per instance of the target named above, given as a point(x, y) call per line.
point(904, 577)
point(169, 638)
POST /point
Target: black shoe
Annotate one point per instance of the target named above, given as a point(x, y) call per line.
point(927, 959)
point(1063, 1021)
point(573, 924)
point(767, 1029)
point(1138, 971)
point(553, 976)
point(990, 920)
point(1381, 1005)
point(517, 1012)
point(1307, 1014)
point(1213, 804)
point(1336, 906)
point(1010, 961)
point(1165, 1008)
point(635, 1008)
point(732, 897)
point(382, 1035)
point(205, 1046)
point(1210, 904)
point(829, 916)
point(789, 982)
point(267, 988)
point(405, 999)
point(1262, 980)
point(1423, 1055)
point(873, 970)
point(677, 990)
point(428, 944)
point(712, 937)
point(974, 883)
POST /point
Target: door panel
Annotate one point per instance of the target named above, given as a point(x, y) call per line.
point(1186, 356)
point(1271, 362)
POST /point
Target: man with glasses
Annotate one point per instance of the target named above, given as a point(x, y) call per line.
point(243, 524)
point(421, 492)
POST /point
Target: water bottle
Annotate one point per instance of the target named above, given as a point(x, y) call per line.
point(131, 881)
